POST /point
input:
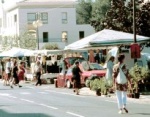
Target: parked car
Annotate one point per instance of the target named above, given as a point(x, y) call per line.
point(71, 60)
point(88, 69)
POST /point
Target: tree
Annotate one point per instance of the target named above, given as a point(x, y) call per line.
point(84, 10)
point(120, 17)
point(49, 46)
point(100, 7)
point(25, 40)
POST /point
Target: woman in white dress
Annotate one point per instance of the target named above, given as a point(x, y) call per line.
point(109, 71)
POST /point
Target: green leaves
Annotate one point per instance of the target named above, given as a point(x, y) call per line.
point(138, 73)
point(49, 46)
point(99, 84)
point(84, 10)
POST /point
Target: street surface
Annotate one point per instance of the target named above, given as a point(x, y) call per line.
point(48, 101)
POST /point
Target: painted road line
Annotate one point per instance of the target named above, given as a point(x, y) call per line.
point(43, 92)
point(48, 106)
point(27, 100)
point(4, 94)
point(74, 114)
point(25, 93)
point(111, 101)
point(30, 87)
point(64, 93)
point(12, 96)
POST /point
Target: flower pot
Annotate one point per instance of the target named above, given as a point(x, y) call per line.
point(137, 95)
point(98, 92)
point(132, 95)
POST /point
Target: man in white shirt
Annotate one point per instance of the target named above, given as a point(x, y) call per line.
point(8, 72)
point(38, 70)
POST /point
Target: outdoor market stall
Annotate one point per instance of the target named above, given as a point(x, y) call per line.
point(104, 39)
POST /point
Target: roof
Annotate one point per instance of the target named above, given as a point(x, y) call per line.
point(9, 4)
point(106, 37)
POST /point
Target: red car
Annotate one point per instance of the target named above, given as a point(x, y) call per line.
point(88, 69)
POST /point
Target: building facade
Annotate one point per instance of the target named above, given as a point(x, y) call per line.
point(52, 21)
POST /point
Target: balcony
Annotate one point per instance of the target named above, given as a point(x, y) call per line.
point(53, 40)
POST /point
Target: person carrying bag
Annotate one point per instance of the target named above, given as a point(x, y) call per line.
point(120, 79)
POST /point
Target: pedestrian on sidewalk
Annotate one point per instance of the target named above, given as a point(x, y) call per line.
point(15, 80)
point(76, 77)
point(38, 71)
point(121, 78)
point(21, 71)
point(7, 72)
point(109, 71)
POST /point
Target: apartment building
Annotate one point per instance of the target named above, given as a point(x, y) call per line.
point(54, 21)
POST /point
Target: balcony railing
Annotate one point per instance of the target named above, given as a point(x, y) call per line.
point(53, 40)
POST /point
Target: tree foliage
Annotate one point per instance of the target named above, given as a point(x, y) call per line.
point(120, 17)
point(116, 15)
point(25, 40)
point(49, 46)
point(84, 9)
point(100, 7)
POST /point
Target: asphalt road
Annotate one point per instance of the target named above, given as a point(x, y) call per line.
point(47, 101)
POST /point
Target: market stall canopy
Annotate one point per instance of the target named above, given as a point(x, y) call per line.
point(15, 52)
point(105, 38)
point(47, 52)
point(108, 37)
point(83, 43)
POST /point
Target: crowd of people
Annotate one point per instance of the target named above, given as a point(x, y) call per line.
point(13, 71)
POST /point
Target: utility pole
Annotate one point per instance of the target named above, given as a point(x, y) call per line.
point(134, 25)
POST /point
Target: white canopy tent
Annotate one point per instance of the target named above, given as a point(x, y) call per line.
point(105, 38)
point(15, 52)
point(47, 52)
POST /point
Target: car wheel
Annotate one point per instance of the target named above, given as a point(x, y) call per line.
point(68, 84)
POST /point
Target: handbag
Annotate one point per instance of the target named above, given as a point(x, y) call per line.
point(121, 78)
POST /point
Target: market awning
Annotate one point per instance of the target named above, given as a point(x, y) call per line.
point(105, 38)
point(108, 37)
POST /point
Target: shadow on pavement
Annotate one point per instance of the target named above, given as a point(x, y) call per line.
point(143, 113)
point(8, 114)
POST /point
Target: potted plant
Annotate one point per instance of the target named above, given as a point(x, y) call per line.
point(137, 74)
point(96, 86)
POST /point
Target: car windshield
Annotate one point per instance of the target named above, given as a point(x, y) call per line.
point(95, 66)
point(91, 66)
point(72, 60)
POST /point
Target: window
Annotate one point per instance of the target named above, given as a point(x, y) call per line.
point(64, 18)
point(81, 34)
point(64, 36)
point(45, 36)
point(15, 18)
point(31, 17)
point(44, 18)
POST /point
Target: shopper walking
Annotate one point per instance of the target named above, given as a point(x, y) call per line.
point(109, 71)
point(76, 77)
point(121, 78)
point(15, 75)
point(38, 71)
point(7, 72)
point(21, 70)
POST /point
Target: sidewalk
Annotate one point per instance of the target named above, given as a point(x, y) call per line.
point(144, 99)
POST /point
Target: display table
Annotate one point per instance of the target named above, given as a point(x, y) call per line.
point(46, 76)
